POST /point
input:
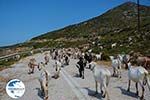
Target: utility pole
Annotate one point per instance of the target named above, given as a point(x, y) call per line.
point(138, 12)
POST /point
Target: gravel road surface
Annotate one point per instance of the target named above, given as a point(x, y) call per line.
point(68, 86)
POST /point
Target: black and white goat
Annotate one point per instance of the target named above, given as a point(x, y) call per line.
point(44, 80)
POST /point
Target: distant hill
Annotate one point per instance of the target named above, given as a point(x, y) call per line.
point(123, 18)
point(117, 25)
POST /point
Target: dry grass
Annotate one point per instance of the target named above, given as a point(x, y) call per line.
point(2, 68)
point(107, 63)
point(2, 90)
point(4, 81)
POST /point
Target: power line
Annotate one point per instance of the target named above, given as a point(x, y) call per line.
point(138, 12)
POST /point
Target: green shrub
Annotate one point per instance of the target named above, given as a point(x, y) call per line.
point(105, 56)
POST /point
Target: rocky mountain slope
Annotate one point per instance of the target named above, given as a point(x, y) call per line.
point(118, 25)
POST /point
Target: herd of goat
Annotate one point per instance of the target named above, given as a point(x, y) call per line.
point(137, 73)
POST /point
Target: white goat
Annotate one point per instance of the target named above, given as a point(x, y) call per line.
point(31, 52)
point(57, 66)
point(101, 47)
point(123, 58)
point(46, 58)
point(138, 75)
point(101, 75)
point(17, 57)
point(90, 50)
point(113, 45)
point(116, 64)
point(43, 79)
point(98, 56)
point(32, 63)
point(120, 56)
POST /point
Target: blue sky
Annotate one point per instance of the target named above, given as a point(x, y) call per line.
point(20, 20)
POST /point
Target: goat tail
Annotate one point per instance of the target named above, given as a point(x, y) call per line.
point(146, 78)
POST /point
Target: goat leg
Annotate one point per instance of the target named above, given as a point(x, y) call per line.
point(113, 72)
point(129, 85)
point(119, 72)
point(101, 89)
point(46, 95)
point(83, 74)
point(103, 94)
point(80, 72)
point(106, 92)
point(142, 96)
point(42, 89)
point(96, 92)
point(45, 92)
point(32, 69)
point(137, 92)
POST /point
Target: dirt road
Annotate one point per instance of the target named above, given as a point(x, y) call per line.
point(69, 86)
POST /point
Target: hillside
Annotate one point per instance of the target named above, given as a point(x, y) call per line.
point(117, 25)
point(123, 17)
